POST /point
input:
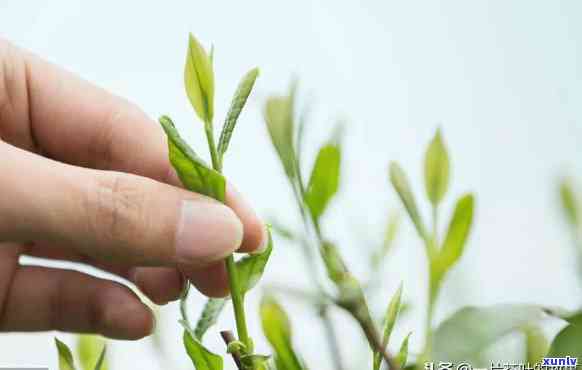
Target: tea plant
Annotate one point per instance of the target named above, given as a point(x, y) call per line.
point(469, 335)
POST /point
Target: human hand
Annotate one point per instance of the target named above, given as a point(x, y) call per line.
point(85, 178)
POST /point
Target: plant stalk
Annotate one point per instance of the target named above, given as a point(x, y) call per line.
point(233, 282)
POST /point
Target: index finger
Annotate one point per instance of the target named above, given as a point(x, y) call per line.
point(73, 121)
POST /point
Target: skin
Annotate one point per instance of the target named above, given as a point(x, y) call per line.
point(85, 178)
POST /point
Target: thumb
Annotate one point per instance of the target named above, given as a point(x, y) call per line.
point(110, 215)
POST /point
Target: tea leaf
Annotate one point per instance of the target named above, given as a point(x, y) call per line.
point(389, 321)
point(100, 364)
point(251, 267)
point(536, 344)
point(89, 348)
point(334, 263)
point(324, 180)
point(279, 117)
point(402, 186)
point(567, 342)
point(238, 102)
point(210, 313)
point(277, 329)
point(254, 361)
point(65, 356)
point(436, 169)
point(193, 172)
point(199, 80)
point(457, 235)
point(402, 356)
point(202, 358)
point(569, 202)
point(390, 234)
point(469, 331)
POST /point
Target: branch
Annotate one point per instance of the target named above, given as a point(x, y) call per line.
point(228, 337)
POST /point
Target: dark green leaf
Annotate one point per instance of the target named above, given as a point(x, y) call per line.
point(567, 342)
point(389, 321)
point(279, 117)
point(324, 180)
point(238, 102)
point(569, 202)
point(89, 348)
point(195, 175)
point(277, 329)
point(199, 80)
point(65, 356)
point(402, 186)
point(436, 169)
point(468, 332)
point(251, 267)
point(210, 313)
point(202, 358)
point(254, 361)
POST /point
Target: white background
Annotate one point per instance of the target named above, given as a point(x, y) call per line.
point(502, 79)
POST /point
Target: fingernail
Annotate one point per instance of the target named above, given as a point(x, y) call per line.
point(264, 242)
point(208, 231)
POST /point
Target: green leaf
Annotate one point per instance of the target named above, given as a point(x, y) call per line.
point(254, 361)
point(100, 364)
point(536, 344)
point(402, 356)
point(279, 117)
point(277, 329)
point(456, 238)
point(324, 180)
point(238, 102)
point(65, 356)
point(195, 175)
point(389, 321)
point(89, 348)
point(569, 202)
point(202, 358)
point(469, 331)
point(436, 169)
point(567, 342)
point(251, 267)
point(390, 234)
point(335, 266)
point(210, 313)
point(199, 80)
point(402, 186)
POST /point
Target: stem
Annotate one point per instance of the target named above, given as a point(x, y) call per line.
point(228, 337)
point(235, 293)
point(332, 339)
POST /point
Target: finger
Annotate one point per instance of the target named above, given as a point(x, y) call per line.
point(112, 216)
point(50, 299)
point(160, 284)
point(73, 121)
point(211, 280)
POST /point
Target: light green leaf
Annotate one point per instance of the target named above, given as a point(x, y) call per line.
point(199, 80)
point(536, 344)
point(254, 361)
point(567, 342)
point(65, 356)
point(210, 313)
point(279, 117)
point(100, 364)
point(89, 348)
point(402, 186)
point(250, 268)
point(202, 358)
point(469, 331)
point(277, 329)
point(436, 169)
point(569, 202)
point(335, 266)
point(238, 102)
point(390, 234)
point(195, 175)
point(389, 321)
point(456, 238)
point(324, 181)
point(402, 356)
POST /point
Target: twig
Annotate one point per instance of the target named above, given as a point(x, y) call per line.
point(228, 337)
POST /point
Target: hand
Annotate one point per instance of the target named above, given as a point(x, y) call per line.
point(85, 178)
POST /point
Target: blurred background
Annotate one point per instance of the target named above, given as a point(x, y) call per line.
point(502, 79)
